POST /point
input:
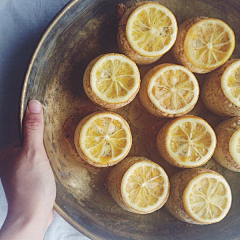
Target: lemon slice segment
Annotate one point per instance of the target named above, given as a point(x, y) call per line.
point(112, 80)
point(139, 185)
point(151, 29)
point(169, 90)
point(230, 82)
point(103, 139)
point(209, 43)
point(187, 142)
point(207, 198)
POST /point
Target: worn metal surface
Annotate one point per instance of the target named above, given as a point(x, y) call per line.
point(82, 31)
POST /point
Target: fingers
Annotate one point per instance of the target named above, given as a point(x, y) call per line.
point(33, 125)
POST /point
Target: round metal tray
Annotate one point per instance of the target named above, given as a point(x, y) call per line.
point(82, 31)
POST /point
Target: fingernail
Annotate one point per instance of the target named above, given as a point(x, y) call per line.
point(34, 106)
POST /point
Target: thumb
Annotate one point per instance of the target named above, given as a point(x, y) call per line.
point(33, 125)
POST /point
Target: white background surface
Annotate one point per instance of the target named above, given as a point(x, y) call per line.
point(22, 22)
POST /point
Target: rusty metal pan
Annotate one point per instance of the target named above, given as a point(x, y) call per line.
point(83, 30)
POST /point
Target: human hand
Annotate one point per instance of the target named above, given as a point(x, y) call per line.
point(28, 181)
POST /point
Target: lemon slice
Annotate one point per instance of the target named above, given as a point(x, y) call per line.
point(146, 31)
point(103, 139)
point(199, 196)
point(204, 44)
point(151, 29)
point(207, 198)
point(231, 83)
point(221, 89)
point(139, 185)
point(169, 90)
point(234, 147)
point(112, 80)
point(186, 142)
point(227, 152)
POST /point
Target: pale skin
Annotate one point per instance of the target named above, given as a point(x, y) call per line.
point(28, 181)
